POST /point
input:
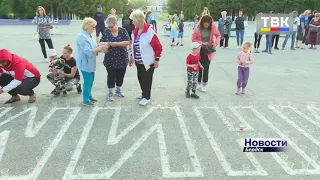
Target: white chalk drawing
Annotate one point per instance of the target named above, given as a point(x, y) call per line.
point(285, 165)
point(34, 174)
point(314, 110)
point(4, 135)
point(114, 139)
point(242, 120)
point(259, 171)
point(293, 124)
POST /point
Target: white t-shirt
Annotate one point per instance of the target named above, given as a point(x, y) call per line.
point(295, 26)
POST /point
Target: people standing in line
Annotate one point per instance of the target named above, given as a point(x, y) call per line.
point(224, 26)
point(193, 64)
point(100, 18)
point(244, 60)
point(148, 17)
point(70, 71)
point(43, 28)
point(207, 34)
point(294, 32)
point(257, 39)
point(276, 39)
point(269, 41)
point(127, 23)
point(314, 32)
point(173, 31)
point(86, 55)
point(205, 11)
point(113, 13)
point(117, 57)
point(301, 31)
point(146, 51)
point(239, 21)
point(180, 35)
point(18, 76)
point(154, 19)
point(181, 16)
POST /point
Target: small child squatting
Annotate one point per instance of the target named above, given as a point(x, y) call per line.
point(193, 64)
point(57, 64)
point(244, 59)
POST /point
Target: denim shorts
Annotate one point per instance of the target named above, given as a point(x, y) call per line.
point(180, 35)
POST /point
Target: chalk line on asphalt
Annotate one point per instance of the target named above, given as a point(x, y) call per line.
point(222, 159)
point(313, 110)
point(114, 139)
point(35, 172)
point(279, 160)
point(297, 127)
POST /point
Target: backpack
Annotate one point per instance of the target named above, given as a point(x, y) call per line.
point(126, 22)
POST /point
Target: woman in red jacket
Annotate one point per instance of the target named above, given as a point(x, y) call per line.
point(146, 51)
point(18, 76)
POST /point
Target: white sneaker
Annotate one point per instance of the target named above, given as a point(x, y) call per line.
point(46, 59)
point(144, 102)
point(238, 47)
point(199, 86)
point(203, 89)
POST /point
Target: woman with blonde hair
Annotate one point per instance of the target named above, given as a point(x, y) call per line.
point(113, 13)
point(146, 51)
point(86, 56)
point(43, 23)
point(205, 11)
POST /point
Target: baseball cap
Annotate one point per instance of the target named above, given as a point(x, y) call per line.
point(51, 52)
point(195, 45)
point(99, 6)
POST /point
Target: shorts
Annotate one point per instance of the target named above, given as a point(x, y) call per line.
point(180, 35)
point(300, 36)
point(99, 30)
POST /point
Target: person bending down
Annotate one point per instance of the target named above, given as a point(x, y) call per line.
point(18, 76)
point(67, 70)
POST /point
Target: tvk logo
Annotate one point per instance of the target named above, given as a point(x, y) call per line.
point(274, 23)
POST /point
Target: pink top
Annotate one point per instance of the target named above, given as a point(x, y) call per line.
point(196, 37)
point(244, 59)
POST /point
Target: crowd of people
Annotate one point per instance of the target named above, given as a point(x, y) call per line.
point(136, 42)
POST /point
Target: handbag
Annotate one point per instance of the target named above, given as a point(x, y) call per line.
point(209, 50)
point(314, 29)
point(35, 35)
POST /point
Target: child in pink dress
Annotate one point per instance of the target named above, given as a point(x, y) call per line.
point(244, 59)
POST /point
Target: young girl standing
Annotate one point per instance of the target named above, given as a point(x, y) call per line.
point(244, 59)
point(174, 30)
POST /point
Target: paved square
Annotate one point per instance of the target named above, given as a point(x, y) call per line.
point(174, 137)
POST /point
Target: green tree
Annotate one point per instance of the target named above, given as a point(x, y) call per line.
point(138, 4)
point(5, 8)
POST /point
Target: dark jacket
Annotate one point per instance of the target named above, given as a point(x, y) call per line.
point(239, 21)
point(127, 23)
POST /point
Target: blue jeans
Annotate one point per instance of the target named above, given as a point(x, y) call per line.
point(268, 42)
point(88, 78)
point(240, 34)
point(293, 39)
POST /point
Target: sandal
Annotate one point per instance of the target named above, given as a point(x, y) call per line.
point(11, 100)
point(32, 98)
